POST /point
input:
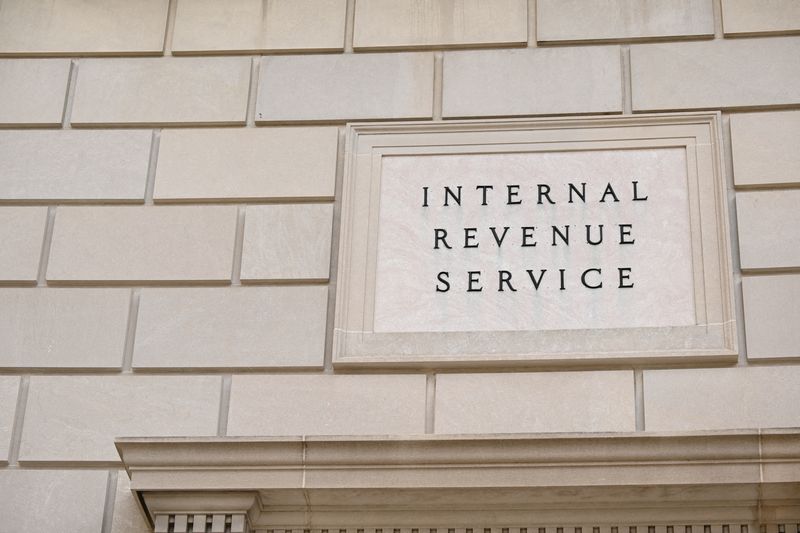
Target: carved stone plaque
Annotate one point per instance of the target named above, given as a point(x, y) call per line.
point(577, 240)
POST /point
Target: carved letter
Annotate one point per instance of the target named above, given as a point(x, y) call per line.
point(474, 279)
point(440, 234)
point(444, 284)
point(505, 277)
point(583, 278)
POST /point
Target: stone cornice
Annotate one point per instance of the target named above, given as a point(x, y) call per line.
point(316, 482)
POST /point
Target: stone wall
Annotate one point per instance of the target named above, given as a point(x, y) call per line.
point(169, 218)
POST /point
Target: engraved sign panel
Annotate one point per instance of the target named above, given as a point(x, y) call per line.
point(534, 242)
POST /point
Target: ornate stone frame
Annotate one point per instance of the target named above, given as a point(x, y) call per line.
point(712, 338)
point(717, 482)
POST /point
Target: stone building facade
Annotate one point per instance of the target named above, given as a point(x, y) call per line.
point(172, 176)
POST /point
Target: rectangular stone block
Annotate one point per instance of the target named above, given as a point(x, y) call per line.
point(77, 418)
point(63, 328)
point(247, 163)
point(251, 327)
point(52, 500)
point(715, 74)
point(259, 25)
point(769, 229)
point(695, 399)
point(419, 23)
point(74, 164)
point(771, 316)
point(287, 242)
point(597, 20)
point(745, 17)
point(56, 27)
point(32, 91)
point(127, 244)
point(537, 81)
point(327, 405)
point(535, 402)
point(21, 236)
point(128, 518)
point(765, 148)
point(171, 90)
point(345, 87)
point(9, 388)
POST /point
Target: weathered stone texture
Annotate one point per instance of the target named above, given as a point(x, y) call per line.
point(252, 327)
point(74, 165)
point(532, 82)
point(174, 243)
point(766, 16)
point(21, 235)
point(32, 91)
point(769, 229)
point(77, 418)
point(265, 163)
point(765, 148)
point(772, 316)
point(181, 90)
point(63, 328)
point(259, 25)
point(9, 389)
point(287, 242)
point(596, 20)
point(419, 23)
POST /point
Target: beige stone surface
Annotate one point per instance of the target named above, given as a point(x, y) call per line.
point(771, 316)
point(76, 418)
point(765, 148)
point(69, 27)
point(280, 163)
point(128, 518)
point(231, 327)
point(9, 388)
point(256, 25)
point(74, 164)
point(713, 74)
point(327, 405)
point(694, 399)
point(287, 242)
point(532, 81)
point(21, 236)
point(769, 229)
point(535, 402)
point(55, 500)
point(345, 87)
point(415, 23)
point(32, 91)
point(182, 90)
point(580, 20)
point(164, 243)
point(766, 16)
point(63, 328)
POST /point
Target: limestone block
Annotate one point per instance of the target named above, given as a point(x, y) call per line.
point(63, 328)
point(246, 163)
point(345, 87)
point(595, 20)
point(416, 23)
point(117, 243)
point(9, 388)
point(745, 17)
point(231, 327)
point(128, 518)
point(32, 91)
point(327, 405)
point(769, 229)
point(532, 81)
point(539, 402)
point(771, 316)
point(52, 500)
point(67, 27)
point(765, 148)
point(74, 164)
point(76, 418)
point(694, 399)
point(21, 236)
point(714, 74)
point(287, 242)
point(259, 25)
point(171, 90)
